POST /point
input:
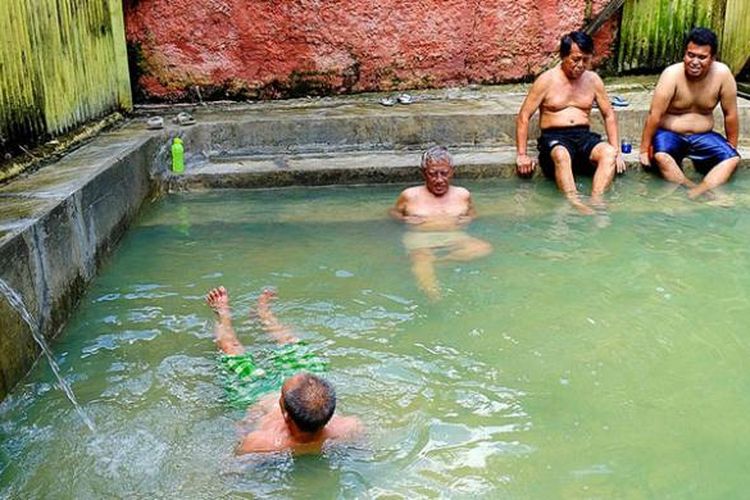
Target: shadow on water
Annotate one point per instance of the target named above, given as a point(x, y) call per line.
point(16, 303)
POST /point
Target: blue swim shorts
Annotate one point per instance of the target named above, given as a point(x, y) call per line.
point(706, 149)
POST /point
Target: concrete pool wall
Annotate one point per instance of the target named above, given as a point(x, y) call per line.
point(58, 225)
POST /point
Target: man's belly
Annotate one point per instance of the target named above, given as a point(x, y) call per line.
point(688, 123)
point(568, 117)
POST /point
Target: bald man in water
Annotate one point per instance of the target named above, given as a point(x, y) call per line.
point(681, 119)
point(301, 417)
point(564, 95)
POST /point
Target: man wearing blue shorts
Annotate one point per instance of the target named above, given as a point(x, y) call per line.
point(680, 122)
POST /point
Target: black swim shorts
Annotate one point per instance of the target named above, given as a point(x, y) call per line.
point(578, 140)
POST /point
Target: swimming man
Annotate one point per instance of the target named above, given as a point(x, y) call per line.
point(681, 119)
point(301, 418)
point(564, 95)
point(437, 213)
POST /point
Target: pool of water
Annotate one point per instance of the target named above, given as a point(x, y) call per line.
point(585, 357)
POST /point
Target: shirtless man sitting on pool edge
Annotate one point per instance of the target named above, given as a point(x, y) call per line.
point(301, 418)
point(564, 96)
point(681, 119)
point(437, 213)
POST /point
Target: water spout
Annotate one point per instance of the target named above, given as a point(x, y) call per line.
point(15, 301)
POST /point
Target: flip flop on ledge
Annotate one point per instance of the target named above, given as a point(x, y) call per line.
point(183, 118)
point(155, 123)
point(619, 101)
point(405, 99)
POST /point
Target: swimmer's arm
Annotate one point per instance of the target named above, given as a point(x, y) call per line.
point(471, 212)
point(399, 211)
point(663, 94)
point(524, 164)
point(729, 107)
point(255, 442)
point(350, 428)
point(263, 406)
point(610, 120)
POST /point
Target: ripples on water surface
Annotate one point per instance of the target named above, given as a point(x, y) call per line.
point(586, 357)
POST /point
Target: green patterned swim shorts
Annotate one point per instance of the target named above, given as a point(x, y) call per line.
point(246, 379)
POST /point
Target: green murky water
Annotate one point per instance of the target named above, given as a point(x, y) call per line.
point(586, 357)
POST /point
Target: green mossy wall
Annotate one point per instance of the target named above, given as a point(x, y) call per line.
point(62, 63)
point(652, 31)
point(735, 45)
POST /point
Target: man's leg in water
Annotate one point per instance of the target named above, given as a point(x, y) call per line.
point(225, 337)
point(565, 180)
point(717, 176)
point(423, 267)
point(282, 334)
point(671, 171)
point(604, 156)
point(468, 249)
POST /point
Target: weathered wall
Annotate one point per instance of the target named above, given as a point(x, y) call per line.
point(62, 63)
point(265, 48)
point(58, 225)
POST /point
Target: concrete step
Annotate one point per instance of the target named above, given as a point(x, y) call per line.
point(350, 167)
point(456, 118)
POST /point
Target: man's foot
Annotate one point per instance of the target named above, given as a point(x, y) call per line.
point(225, 337)
point(582, 208)
point(266, 296)
point(696, 192)
point(218, 300)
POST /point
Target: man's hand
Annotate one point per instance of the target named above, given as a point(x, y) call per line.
point(620, 163)
point(413, 219)
point(645, 159)
point(524, 165)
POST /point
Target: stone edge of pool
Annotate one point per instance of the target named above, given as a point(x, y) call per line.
point(58, 224)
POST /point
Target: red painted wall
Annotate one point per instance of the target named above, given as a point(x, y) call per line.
point(278, 48)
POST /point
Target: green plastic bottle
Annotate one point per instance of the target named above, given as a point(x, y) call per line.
point(178, 156)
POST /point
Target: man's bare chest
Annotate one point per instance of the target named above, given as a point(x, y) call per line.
point(564, 96)
point(697, 98)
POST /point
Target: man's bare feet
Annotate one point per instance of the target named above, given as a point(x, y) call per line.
point(281, 333)
point(218, 300)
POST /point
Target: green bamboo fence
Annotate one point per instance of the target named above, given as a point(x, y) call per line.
point(62, 63)
point(652, 32)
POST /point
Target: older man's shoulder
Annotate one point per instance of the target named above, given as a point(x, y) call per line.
point(412, 192)
point(460, 192)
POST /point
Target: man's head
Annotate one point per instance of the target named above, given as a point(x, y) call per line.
point(437, 170)
point(576, 51)
point(308, 401)
point(700, 50)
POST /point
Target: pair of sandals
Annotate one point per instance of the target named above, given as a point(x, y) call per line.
point(616, 101)
point(401, 99)
point(183, 119)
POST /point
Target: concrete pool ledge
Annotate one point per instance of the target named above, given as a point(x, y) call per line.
point(359, 167)
point(58, 224)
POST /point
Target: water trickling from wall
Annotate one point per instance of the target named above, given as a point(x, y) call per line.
point(16, 302)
